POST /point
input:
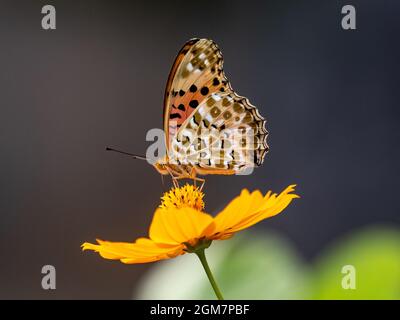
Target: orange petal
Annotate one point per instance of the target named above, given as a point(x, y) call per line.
point(239, 207)
point(175, 226)
point(249, 209)
point(142, 251)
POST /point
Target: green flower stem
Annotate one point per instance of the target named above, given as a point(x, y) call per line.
point(203, 260)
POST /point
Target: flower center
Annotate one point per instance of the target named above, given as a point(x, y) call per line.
point(186, 196)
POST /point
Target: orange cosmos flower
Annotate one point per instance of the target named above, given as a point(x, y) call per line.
point(180, 225)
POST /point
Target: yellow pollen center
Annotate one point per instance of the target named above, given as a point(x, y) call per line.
point(186, 196)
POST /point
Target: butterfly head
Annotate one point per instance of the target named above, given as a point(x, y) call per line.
point(162, 166)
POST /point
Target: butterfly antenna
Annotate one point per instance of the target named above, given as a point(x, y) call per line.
point(135, 156)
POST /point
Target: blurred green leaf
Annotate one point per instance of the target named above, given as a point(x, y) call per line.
point(375, 254)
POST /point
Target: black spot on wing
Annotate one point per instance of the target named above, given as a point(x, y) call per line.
point(193, 103)
point(175, 115)
point(215, 82)
point(204, 91)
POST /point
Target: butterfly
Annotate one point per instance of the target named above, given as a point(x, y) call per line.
point(202, 113)
point(209, 128)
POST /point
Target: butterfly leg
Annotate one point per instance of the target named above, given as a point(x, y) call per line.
point(203, 182)
point(193, 176)
point(174, 178)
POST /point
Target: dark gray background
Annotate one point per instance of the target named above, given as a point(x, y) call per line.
point(330, 97)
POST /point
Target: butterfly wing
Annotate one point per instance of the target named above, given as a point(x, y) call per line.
point(195, 75)
point(207, 124)
point(224, 135)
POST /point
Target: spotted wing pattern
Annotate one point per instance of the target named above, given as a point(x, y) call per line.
point(195, 75)
point(208, 125)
